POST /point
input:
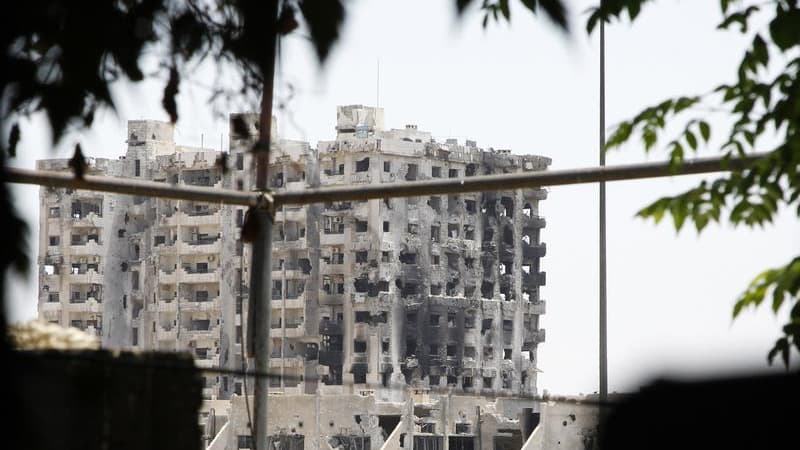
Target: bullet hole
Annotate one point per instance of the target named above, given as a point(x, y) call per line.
point(572, 417)
point(361, 284)
point(293, 430)
point(565, 424)
point(330, 424)
point(300, 424)
point(357, 418)
point(121, 233)
point(435, 203)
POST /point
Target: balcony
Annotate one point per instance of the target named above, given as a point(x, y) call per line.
point(536, 336)
point(88, 306)
point(331, 299)
point(50, 306)
point(290, 362)
point(204, 363)
point(90, 248)
point(194, 334)
point(295, 186)
point(165, 249)
point(538, 307)
point(47, 314)
point(193, 218)
point(297, 243)
point(332, 179)
point(167, 335)
point(91, 220)
point(195, 276)
point(360, 178)
point(197, 306)
point(293, 330)
point(89, 277)
point(360, 358)
point(534, 251)
point(536, 279)
point(293, 303)
point(199, 247)
point(331, 239)
point(291, 215)
point(534, 221)
point(330, 328)
point(165, 277)
point(167, 306)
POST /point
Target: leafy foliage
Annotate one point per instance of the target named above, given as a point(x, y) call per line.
point(759, 104)
point(500, 9)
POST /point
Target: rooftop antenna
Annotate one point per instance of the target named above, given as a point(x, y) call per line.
point(603, 341)
point(378, 86)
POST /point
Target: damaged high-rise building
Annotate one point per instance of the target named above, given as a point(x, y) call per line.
point(434, 291)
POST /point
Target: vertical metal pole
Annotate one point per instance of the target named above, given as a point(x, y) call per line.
point(260, 294)
point(260, 276)
point(602, 313)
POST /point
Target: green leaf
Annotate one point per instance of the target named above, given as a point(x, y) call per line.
point(691, 140)
point(462, 5)
point(324, 21)
point(503, 4)
point(556, 12)
point(705, 130)
point(649, 137)
point(784, 28)
point(760, 51)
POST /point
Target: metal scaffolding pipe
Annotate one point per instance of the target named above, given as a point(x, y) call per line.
point(463, 185)
point(513, 181)
point(129, 186)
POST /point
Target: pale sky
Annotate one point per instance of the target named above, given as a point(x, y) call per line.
point(530, 88)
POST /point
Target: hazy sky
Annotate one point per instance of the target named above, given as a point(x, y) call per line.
point(530, 88)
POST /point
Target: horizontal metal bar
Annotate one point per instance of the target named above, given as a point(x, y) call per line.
point(512, 181)
point(372, 191)
point(130, 186)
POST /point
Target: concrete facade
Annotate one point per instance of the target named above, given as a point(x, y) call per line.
point(368, 297)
